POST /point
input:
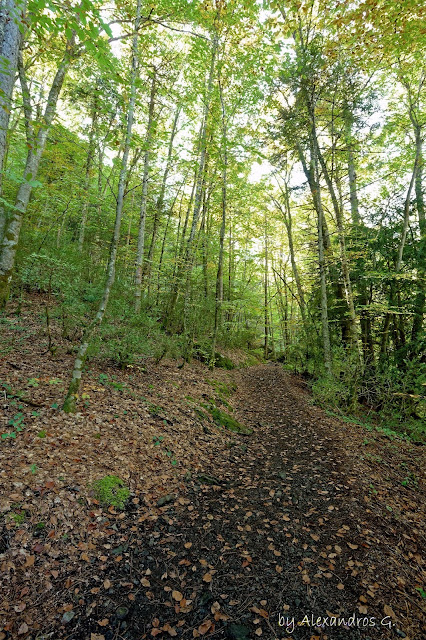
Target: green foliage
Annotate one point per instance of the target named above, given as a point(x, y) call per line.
point(17, 517)
point(228, 422)
point(111, 490)
point(329, 392)
point(222, 388)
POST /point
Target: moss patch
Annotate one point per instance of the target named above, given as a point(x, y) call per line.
point(228, 422)
point(111, 490)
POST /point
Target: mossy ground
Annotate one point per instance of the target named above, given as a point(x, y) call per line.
point(111, 490)
point(228, 422)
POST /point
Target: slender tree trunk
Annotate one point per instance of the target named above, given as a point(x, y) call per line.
point(343, 256)
point(11, 234)
point(11, 14)
point(286, 212)
point(314, 187)
point(203, 233)
point(142, 220)
point(401, 246)
point(88, 169)
point(353, 193)
point(265, 292)
point(219, 276)
point(203, 151)
point(160, 200)
point(316, 195)
point(74, 387)
point(365, 319)
point(311, 174)
point(163, 244)
point(419, 304)
point(185, 269)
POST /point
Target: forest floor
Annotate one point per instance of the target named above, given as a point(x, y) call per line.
point(225, 535)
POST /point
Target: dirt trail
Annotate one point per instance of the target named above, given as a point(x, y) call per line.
point(281, 526)
point(286, 532)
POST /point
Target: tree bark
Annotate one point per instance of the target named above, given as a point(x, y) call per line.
point(160, 201)
point(70, 402)
point(11, 16)
point(11, 234)
point(419, 304)
point(316, 196)
point(401, 246)
point(184, 269)
point(265, 294)
point(342, 244)
point(142, 219)
point(219, 275)
point(88, 169)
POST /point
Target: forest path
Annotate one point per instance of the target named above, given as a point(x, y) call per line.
point(286, 532)
point(307, 516)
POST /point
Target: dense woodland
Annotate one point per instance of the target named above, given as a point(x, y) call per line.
point(183, 176)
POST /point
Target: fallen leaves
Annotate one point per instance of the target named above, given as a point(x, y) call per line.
point(388, 611)
point(104, 622)
point(279, 525)
point(29, 562)
point(205, 627)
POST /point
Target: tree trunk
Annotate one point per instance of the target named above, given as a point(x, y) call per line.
point(265, 293)
point(142, 220)
point(316, 195)
point(74, 387)
point(11, 234)
point(342, 244)
point(419, 304)
point(365, 319)
point(160, 201)
point(88, 168)
point(10, 19)
point(184, 270)
point(398, 264)
point(219, 276)
point(286, 213)
point(317, 202)
point(203, 151)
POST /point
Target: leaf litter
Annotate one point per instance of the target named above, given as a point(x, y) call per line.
point(291, 520)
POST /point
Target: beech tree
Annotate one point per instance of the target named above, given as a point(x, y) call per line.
point(217, 175)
